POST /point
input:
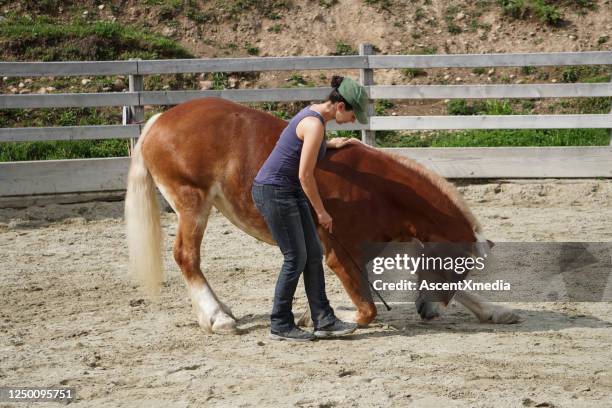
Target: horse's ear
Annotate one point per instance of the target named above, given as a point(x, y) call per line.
point(491, 243)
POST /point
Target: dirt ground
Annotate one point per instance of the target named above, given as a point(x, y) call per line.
point(72, 316)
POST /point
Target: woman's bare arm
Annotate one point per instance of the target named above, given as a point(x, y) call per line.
point(312, 133)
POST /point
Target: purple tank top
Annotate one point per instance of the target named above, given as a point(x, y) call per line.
point(282, 166)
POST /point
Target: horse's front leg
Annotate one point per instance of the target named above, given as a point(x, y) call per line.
point(355, 284)
point(486, 312)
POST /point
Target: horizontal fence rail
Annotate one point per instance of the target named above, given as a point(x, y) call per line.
point(89, 175)
point(34, 69)
point(147, 67)
point(74, 176)
point(490, 91)
point(74, 100)
point(491, 60)
point(491, 122)
point(376, 123)
point(36, 134)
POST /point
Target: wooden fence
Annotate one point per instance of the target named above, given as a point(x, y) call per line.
point(76, 176)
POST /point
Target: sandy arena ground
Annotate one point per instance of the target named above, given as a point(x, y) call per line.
point(71, 316)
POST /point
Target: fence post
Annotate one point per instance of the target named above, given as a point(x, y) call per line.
point(136, 112)
point(611, 108)
point(366, 78)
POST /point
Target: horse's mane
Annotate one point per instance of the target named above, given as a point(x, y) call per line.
point(447, 189)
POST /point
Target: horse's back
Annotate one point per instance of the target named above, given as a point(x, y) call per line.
point(197, 140)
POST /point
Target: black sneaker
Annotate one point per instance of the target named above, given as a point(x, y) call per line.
point(295, 334)
point(336, 329)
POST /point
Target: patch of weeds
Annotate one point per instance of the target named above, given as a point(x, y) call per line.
point(593, 105)
point(170, 9)
point(569, 75)
point(343, 48)
point(251, 49)
point(528, 70)
point(521, 9)
point(483, 5)
point(381, 106)
point(328, 3)
point(198, 16)
point(411, 73)
point(528, 106)
point(454, 28)
point(479, 70)
point(220, 80)
point(381, 4)
point(267, 8)
point(298, 80)
point(462, 107)
point(419, 14)
point(424, 50)
point(548, 14)
point(276, 28)
point(276, 110)
point(584, 73)
point(544, 76)
point(449, 17)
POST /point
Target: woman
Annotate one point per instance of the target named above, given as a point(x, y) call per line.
point(282, 191)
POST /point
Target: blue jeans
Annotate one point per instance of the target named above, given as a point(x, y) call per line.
point(287, 212)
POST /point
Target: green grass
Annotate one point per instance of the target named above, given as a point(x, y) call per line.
point(548, 12)
point(496, 138)
point(504, 137)
point(521, 9)
point(75, 149)
point(43, 39)
point(50, 150)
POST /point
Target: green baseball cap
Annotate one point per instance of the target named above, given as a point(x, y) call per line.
point(356, 95)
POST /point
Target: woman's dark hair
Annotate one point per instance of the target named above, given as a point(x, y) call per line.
point(335, 96)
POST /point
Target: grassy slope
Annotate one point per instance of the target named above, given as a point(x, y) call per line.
point(45, 39)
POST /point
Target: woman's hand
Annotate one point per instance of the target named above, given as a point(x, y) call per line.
point(338, 142)
point(325, 220)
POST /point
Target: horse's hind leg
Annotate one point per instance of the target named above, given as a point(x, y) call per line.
point(212, 314)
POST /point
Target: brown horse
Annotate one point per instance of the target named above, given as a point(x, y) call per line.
point(207, 152)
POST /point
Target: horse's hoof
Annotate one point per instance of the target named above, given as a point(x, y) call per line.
point(224, 324)
point(504, 315)
point(346, 315)
point(427, 310)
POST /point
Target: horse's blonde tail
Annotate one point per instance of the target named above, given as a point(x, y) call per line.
point(142, 221)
